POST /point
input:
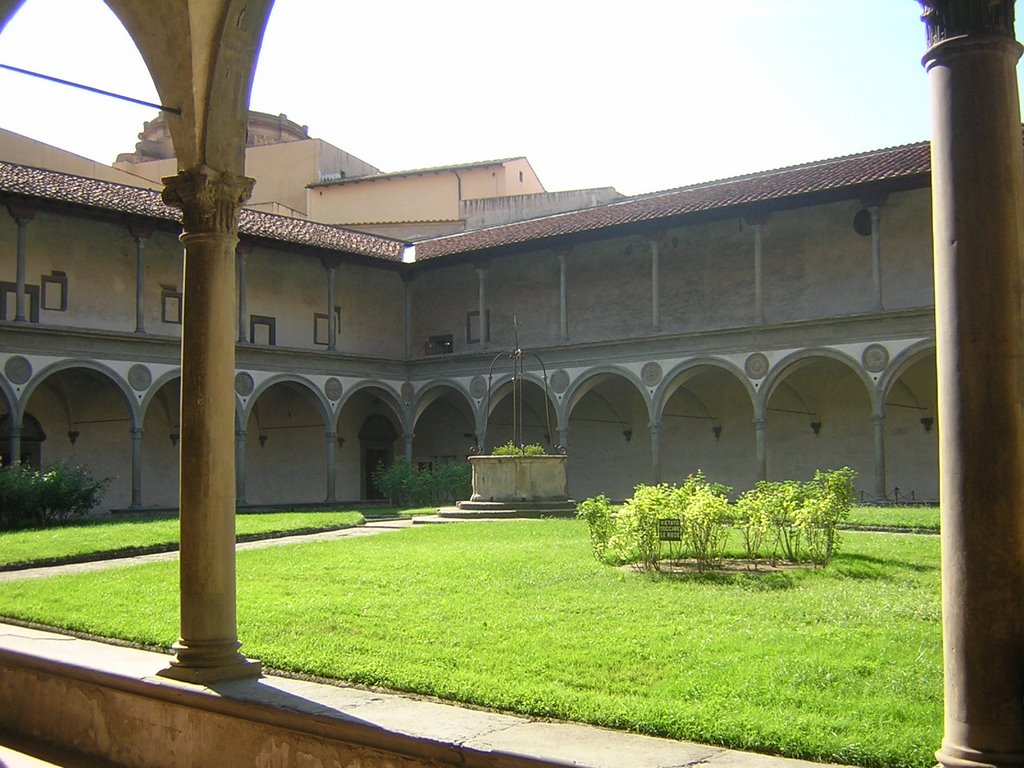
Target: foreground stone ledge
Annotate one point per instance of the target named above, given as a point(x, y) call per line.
point(105, 700)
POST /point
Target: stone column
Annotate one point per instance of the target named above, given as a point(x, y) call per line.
point(655, 427)
point(481, 272)
point(140, 235)
point(761, 443)
point(563, 313)
point(136, 468)
point(978, 231)
point(331, 265)
point(655, 241)
point(241, 256)
point(563, 437)
point(332, 438)
point(876, 253)
point(407, 284)
point(15, 440)
point(207, 650)
point(878, 421)
point(408, 446)
point(757, 223)
point(240, 437)
point(22, 216)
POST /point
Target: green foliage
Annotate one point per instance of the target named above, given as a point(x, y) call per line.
point(597, 512)
point(792, 520)
point(511, 449)
point(32, 498)
point(405, 485)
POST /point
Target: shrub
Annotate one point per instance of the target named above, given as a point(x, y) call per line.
point(799, 519)
point(404, 485)
point(597, 512)
point(30, 498)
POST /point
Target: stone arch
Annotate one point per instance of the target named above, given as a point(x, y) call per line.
point(89, 414)
point(909, 393)
point(286, 423)
point(161, 434)
point(610, 448)
point(592, 377)
point(818, 408)
point(445, 424)
point(362, 449)
point(705, 408)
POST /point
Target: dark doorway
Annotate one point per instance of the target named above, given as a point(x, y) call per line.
point(32, 437)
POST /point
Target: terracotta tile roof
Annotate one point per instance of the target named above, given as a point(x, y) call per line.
point(121, 198)
point(413, 172)
point(904, 162)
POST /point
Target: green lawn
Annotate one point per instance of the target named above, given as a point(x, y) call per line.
point(911, 518)
point(124, 535)
point(840, 664)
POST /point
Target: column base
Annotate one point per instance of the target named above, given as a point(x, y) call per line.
point(200, 663)
point(951, 756)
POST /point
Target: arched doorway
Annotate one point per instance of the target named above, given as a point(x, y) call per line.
point(377, 439)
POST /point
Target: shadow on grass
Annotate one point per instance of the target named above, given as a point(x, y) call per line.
point(750, 580)
point(856, 566)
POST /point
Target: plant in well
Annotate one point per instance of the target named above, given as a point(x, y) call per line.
point(511, 449)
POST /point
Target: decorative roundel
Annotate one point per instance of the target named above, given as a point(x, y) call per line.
point(559, 381)
point(651, 374)
point(332, 388)
point(478, 387)
point(244, 384)
point(18, 370)
point(756, 366)
point(875, 357)
point(140, 377)
point(408, 391)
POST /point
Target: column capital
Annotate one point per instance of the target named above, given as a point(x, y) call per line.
point(330, 261)
point(210, 200)
point(756, 218)
point(243, 248)
point(946, 19)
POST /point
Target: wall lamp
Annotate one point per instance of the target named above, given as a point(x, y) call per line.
point(816, 427)
point(927, 423)
point(73, 436)
point(628, 434)
point(263, 440)
point(717, 430)
point(174, 438)
point(341, 441)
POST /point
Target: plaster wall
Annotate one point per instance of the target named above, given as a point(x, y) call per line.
point(514, 177)
point(609, 290)
point(441, 299)
point(160, 458)
point(430, 197)
point(706, 276)
point(906, 247)
point(288, 288)
point(372, 310)
point(524, 288)
point(815, 265)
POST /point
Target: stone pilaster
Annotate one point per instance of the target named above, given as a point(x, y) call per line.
point(210, 202)
point(978, 231)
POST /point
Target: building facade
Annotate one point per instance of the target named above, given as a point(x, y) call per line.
point(760, 327)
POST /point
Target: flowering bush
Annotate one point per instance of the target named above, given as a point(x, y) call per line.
point(511, 449)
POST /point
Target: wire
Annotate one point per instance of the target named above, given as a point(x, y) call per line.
point(100, 91)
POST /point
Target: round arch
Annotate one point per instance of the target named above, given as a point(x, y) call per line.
point(592, 377)
point(793, 362)
point(120, 385)
point(432, 391)
point(386, 392)
point(679, 374)
point(911, 428)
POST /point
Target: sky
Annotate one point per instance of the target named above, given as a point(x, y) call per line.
point(641, 95)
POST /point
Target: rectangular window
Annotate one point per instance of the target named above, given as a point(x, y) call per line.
point(473, 326)
point(170, 304)
point(263, 330)
point(55, 291)
point(440, 345)
point(9, 302)
point(320, 329)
